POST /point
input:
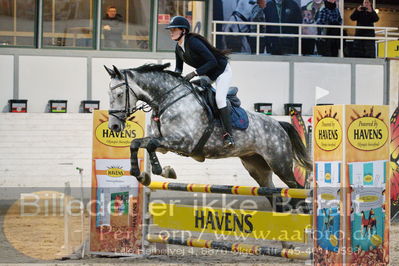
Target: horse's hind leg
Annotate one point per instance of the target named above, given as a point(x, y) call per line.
point(260, 171)
point(283, 168)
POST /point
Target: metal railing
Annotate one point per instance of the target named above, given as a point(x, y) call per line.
point(383, 34)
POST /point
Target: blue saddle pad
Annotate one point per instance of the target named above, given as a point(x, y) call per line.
point(239, 118)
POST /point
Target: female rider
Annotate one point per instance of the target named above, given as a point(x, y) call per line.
point(194, 50)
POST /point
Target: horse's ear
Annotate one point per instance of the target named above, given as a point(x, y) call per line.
point(110, 72)
point(117, 72)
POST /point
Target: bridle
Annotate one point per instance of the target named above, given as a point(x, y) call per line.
point(128, 111)
point(146, 107)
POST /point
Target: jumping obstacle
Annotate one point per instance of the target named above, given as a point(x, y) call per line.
point(351, 166)
point(233, 190)
point(351, 163)
point(291, 227)
point(233, 247)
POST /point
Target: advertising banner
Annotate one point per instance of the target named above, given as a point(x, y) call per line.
point(328, 159)
point(235, 222)
point(392, 49)
point(116, 196)
point(367, 202)
point(351, 155)
point(394, 161)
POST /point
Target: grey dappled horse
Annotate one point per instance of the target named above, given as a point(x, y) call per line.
point(179, 121)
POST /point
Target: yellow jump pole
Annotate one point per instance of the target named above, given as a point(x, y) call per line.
point(233, 247)
point(234, 190)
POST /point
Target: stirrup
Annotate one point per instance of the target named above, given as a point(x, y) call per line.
point(228, 141)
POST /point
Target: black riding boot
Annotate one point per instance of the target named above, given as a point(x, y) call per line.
point(228, 141)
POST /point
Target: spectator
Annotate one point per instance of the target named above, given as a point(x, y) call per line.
point(364, 15)
point(329, 16)
point(257, 15)
point(315, 6)
point(112, 28)
point(308, 44)
point(282, 11)
point(218, 15)
point(310, 14)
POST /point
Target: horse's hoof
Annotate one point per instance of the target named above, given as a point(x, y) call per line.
point(135, 172)
point(287, 245)
point(144, 179)
point(156, 170)
point(169, 172)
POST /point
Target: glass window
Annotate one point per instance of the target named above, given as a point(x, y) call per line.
point(194, 11)
point(125, 24)
point(68, 23)
point(17, 22)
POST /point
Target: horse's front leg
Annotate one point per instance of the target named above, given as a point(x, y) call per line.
point(152, 146)
point(166, 144)
point(134, 148)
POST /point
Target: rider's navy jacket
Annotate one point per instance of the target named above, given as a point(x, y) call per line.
point(199, 56)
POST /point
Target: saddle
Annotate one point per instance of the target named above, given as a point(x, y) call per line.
point(239, 117)
point(207, 92)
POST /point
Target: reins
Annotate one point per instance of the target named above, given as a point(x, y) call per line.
point(146, 107)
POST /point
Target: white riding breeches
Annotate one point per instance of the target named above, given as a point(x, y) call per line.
point(222, 85)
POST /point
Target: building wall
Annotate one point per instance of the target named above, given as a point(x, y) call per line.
point(336, 78)
point(369, 81)
point(44, 78)
point(43, 150)
point(6, 80)
point(262, 82)
point(47, 74)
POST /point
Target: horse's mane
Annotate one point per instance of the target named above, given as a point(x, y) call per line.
point(155, 68)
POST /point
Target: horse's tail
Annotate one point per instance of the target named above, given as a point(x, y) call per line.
point(301, 155)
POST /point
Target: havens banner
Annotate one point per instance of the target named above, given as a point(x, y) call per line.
point(115, 226)
point(241, 223)
point(351, 166)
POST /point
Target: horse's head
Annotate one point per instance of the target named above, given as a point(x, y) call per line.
point(149, 83)
point(123, 97)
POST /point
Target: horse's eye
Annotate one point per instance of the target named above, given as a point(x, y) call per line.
point(119, 95)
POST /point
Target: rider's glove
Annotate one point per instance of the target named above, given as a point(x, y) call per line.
point(190, 76)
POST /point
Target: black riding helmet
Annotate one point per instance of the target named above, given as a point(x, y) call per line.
point(179, 22)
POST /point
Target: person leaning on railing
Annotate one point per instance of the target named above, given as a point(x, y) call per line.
point(329, 15)
point(364, 15)
point(310, 14)
point(282, 11)
point(257, 15)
